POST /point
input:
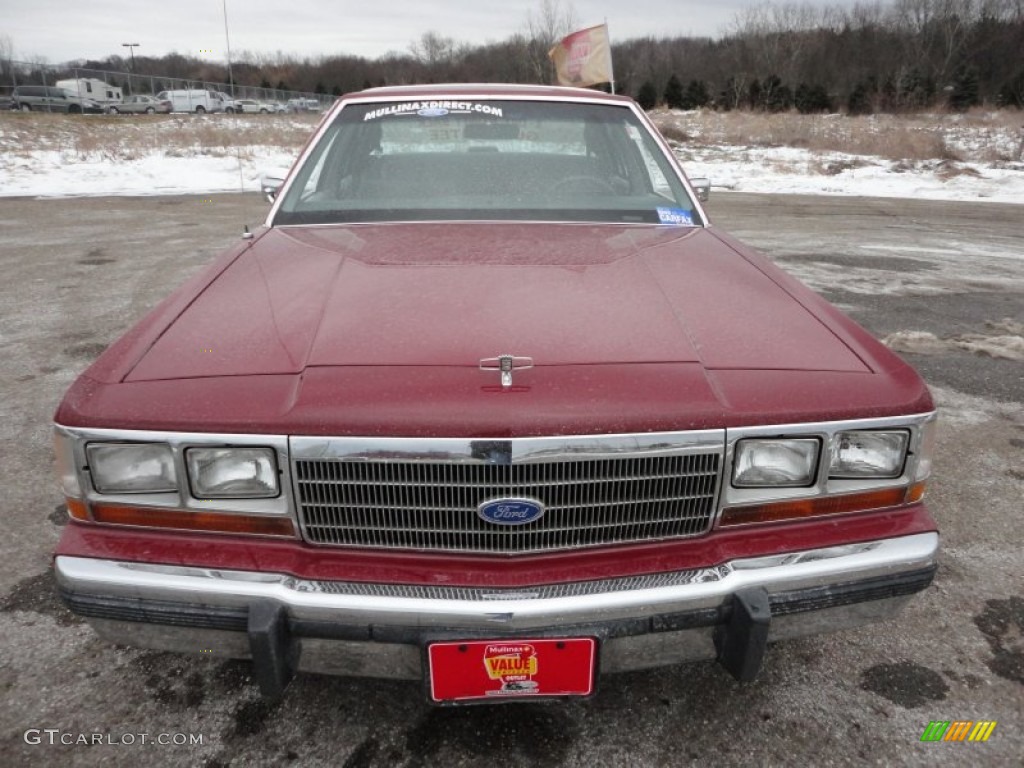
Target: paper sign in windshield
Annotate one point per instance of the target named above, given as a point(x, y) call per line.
point(676, 216)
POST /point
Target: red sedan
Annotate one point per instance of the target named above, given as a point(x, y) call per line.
point(488, 403)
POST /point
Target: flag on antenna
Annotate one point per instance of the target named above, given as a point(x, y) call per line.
point(584, 57)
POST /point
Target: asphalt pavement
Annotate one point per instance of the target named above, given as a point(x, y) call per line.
point(941, 282)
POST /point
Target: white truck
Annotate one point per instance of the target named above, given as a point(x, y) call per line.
point(194, 100)
point(91, 88)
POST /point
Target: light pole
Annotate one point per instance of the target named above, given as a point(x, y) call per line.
point(131, 49)
point(227, 40)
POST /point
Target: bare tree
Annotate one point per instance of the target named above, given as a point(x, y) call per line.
point(432, 49)
point(6, 60)
point(777, 34)
point(545, 26)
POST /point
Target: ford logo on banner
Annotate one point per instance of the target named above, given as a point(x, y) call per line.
point(511, 511)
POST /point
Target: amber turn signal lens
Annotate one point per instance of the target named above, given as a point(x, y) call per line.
point(218, 522)
point(826, 505)
point(77, 509)
point(915, 493)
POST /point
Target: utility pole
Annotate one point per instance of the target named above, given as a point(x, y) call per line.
point(131, 48)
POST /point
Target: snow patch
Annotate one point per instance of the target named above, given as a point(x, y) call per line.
point(957, 409)
point(788, 170)
point(1005, 340)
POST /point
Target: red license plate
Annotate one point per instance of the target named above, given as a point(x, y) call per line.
point(502, 669)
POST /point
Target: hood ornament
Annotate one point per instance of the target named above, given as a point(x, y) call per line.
point(506, 364)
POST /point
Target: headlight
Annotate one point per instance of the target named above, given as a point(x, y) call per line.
point(775, 462)
point(869, 454)
point(232, 473)
point(132, 467)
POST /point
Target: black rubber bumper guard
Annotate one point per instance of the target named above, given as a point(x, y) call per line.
point(741, 625)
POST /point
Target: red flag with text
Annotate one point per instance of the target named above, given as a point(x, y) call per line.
point(584, 58)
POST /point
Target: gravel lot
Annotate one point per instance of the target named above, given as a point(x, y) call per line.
point(944, 282)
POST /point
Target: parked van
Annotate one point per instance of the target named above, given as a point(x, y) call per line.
point(91, 88)
point(194, 100)
point(304, 105)
point(42, 98)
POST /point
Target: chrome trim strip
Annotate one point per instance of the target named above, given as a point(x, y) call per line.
point(304, 599)
point(519, 450)
point(435, 222)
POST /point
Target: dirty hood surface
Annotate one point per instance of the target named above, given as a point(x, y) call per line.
point(451, 294)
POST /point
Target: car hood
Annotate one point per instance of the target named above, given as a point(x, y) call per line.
point(451, 294)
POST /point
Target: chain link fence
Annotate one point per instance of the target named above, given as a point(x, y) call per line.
point(111, 87)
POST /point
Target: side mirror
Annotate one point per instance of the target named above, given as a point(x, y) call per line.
point(702, 187)
point(270, 183)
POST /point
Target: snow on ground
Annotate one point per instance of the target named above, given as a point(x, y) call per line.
point(1004, 340)
point(52, 173)
point(787, 170)
point(52, 157)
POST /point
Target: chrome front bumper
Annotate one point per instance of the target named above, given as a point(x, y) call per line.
point(380, 630)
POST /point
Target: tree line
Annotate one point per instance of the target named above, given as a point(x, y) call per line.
point(896, 56)
point(900, 56)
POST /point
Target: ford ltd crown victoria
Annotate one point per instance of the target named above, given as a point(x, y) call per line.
point(488, 403)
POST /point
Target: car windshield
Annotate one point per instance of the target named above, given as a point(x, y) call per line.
point(469, 160)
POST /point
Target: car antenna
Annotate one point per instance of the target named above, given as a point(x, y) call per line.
point(246, 235)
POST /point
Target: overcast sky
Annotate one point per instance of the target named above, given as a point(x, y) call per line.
point(66, 30)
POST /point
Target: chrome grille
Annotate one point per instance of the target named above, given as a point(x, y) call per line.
point(425, 504)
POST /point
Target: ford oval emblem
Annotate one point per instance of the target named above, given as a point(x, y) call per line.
point(511, 511)
point(432, 112)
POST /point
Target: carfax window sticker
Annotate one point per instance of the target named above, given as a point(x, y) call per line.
point(434, 109)
point(676, 216)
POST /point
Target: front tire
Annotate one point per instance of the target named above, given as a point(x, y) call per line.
point(26, 107)
point(200, 110)
point(113, 111)
point(230, 110)
point(150, 110)
point(74, 109)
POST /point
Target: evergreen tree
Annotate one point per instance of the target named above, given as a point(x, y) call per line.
point(802, 99)
point(754, 96)
point(647, 96)
point(859, 102)
point(727, 96)
point(966, 91)
point(928, 91)
point(674, 94)
point(320, 88)
point(775, 96)
point(696, 95)
point(811, 98)
point(889, 94)
point(1012, 92)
